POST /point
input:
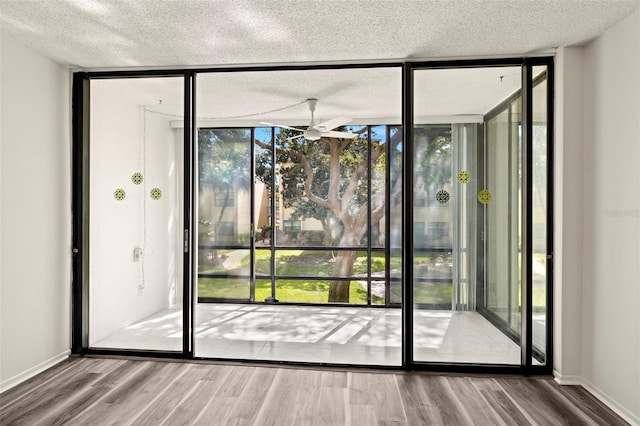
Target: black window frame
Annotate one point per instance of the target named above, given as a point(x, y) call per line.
point(80, 192)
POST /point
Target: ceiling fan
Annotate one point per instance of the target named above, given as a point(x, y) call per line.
point(316, 131)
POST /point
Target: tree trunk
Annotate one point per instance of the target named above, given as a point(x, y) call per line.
point(326, 227)
point(339, 289)
point(224, 205)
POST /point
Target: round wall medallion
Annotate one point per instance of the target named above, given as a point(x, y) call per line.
point(119, 194)
point(156, 193)
point(137, 178)
point(464, 177)
point(442, 196)
point(485, 196)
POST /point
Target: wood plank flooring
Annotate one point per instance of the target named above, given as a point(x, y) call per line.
point(106, 391)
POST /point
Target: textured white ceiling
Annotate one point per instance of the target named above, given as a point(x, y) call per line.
point(117, 33)
point(161, 33)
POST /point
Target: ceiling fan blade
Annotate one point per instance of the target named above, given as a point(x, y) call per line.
point(294, 137)
point(343, 135)
point(281, 126)
point(332, 124)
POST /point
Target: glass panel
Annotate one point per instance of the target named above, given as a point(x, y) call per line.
point(224, 197)
point(378, 292)
point(503, 214)
point(224, 181)
point(465, 241)
point(499, 284)
point(464, 204)
point(224, 261)
point(263, 289)
point(263, 186)
point(378, 185)
point(432, 215)
point(223, 288)
point(135, 224)
point(313, 263)
point(432, 292)
point(316, 291)
point(539, 237)
point(395, 216)
point(378, 265)
point(503, 171)
point(316, 223)
point(515, 317)
point(262, 262)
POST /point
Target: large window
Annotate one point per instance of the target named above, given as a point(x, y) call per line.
point(326, 242)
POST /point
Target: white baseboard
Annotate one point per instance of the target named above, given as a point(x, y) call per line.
point(567, 380)
point(25, 375)
point(628, 416)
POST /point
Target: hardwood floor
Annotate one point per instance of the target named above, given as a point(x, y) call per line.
point(99, 391)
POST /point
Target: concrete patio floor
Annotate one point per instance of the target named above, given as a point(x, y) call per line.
point(320, 334)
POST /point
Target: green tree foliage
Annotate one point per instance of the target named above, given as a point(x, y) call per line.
point(292, 177)
point(433, 166)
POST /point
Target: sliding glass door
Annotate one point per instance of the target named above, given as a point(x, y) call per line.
point(310, 215)
point(473, 226)
point(294, 233)
point(465, 216)
point(500, 297)
point(135, 214)
point(508, 154)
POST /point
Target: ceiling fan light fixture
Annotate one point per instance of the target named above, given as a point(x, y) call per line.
point(312, 134)
point(316, 131)
point(312, 103)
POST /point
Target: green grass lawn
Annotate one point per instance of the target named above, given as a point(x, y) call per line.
point(286, 290)
point(436, 293)
point(296, 262)
point(319, 264)
point(288, 263)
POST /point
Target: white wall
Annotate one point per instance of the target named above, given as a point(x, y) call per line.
point(568, 210)
point(35, 230)
point(611, 257)
point(598, 209)
point(125, 140)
